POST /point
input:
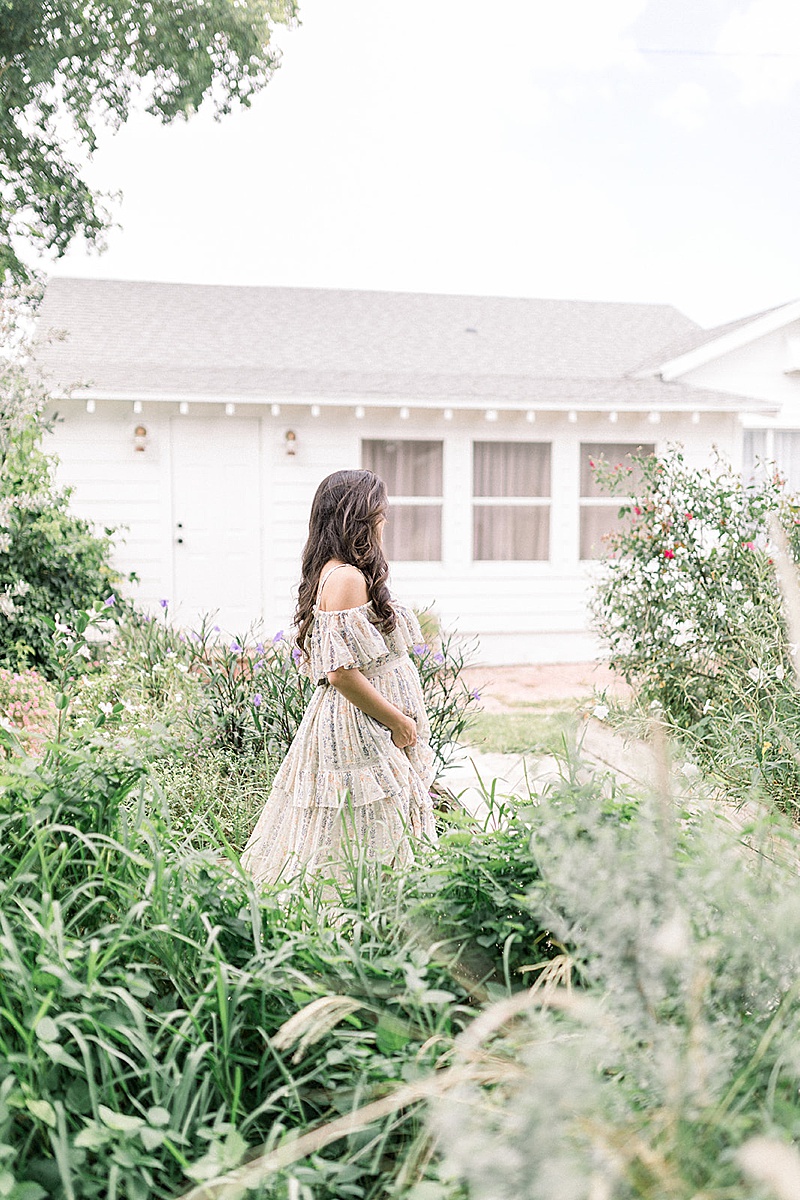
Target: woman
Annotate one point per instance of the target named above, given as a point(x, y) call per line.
point(356, 778)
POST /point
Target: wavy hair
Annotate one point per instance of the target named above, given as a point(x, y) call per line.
point(344, 523)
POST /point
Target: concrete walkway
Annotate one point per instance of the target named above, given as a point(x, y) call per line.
point(474, 773)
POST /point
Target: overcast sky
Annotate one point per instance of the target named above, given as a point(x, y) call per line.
point(530, 148)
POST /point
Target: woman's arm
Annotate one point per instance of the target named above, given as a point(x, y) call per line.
point(356, 688)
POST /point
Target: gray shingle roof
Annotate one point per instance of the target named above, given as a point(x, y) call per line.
point(699, 337)
point(161, 338)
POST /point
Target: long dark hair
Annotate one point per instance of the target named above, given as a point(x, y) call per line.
point(344, 521)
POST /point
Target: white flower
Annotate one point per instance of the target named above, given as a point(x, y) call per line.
point(106, 707)
point(755, 674)
point(5, 542)
point(7, 605)
point(21, 587)
point(600, 711)
point(736, 585)
point(84, 651)
point(720, 609)
point(779, 671)
point(748, 606)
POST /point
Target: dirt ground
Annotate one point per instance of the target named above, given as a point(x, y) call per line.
point(503, 689)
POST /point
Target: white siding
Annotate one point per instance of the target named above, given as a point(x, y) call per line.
point(521, 611)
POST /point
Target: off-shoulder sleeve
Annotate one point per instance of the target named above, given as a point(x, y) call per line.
point(344, 639)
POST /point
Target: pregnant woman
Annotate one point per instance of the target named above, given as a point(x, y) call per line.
point(357, 776)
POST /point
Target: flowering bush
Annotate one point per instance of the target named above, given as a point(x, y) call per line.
point(689, 607)
point(26, 702)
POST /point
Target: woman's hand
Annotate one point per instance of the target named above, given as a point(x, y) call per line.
point(404, 731)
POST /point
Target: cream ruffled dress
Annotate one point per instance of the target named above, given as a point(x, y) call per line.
point(344, 789)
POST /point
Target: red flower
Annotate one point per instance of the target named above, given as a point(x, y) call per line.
point(689, 516)
point(669, 554)
point(637, 510)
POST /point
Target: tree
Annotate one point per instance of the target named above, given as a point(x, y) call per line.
point(68, 67)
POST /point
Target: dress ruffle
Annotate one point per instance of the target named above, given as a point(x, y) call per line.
point(349, 638)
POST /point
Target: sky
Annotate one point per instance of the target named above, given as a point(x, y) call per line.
point(623, 150)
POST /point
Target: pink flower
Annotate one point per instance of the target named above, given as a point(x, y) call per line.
point(637, 510)
point(669, 554)
point(748, 545)
point(689, 516)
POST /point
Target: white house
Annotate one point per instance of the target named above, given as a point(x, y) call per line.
point(203, 418)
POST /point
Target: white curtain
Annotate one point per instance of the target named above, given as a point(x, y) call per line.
point(408, 468)
point(511, 469)
point(786, 452)
point(511, 532)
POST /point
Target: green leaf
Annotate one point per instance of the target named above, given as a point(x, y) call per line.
point(158, 1117)
point(93, 1137)
point(391, 1034)
point(436, 996)
point(28, 1191)
point(152, 1138)
point(47, 1030)
point(61, 701)
point(120, 1122)
point(43, 1110)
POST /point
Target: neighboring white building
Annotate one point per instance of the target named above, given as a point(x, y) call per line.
point(203, 418)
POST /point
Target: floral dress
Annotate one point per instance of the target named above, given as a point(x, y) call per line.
point(344, 789)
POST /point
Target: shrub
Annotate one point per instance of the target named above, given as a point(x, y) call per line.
point(27, 703)
point(675, 1067)
point(688, 605)
point(51, 561)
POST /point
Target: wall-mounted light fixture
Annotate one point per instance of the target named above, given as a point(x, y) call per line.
point(290, 441)
point(140, 439)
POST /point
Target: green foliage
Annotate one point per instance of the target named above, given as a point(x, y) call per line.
point(689, 608)
point(66, 69)
point(144, 987)
point(51, 561)
point(656, 1078)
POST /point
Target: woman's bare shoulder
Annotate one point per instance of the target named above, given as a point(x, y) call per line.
point(346, 588)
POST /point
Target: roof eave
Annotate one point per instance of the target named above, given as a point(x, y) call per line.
point(688, 403)
point(673, 368)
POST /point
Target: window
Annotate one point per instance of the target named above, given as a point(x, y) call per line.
point(598, 509)
point(781, 446)
point(511, 501)
point(412, 472)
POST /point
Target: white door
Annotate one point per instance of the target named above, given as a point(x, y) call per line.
point(216, 514)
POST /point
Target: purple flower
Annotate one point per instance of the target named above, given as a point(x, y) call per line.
point(475, 694)
point(181, 638)
point(259, 666)
point(279, 637)
point(259, 647)
point(235, 647)
point(163, 603)
point(438, 658)
point(297, 654)
point(421, 649)
point(110, 601)
point(215, 628)
point(257, 700)
point(195, 635)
